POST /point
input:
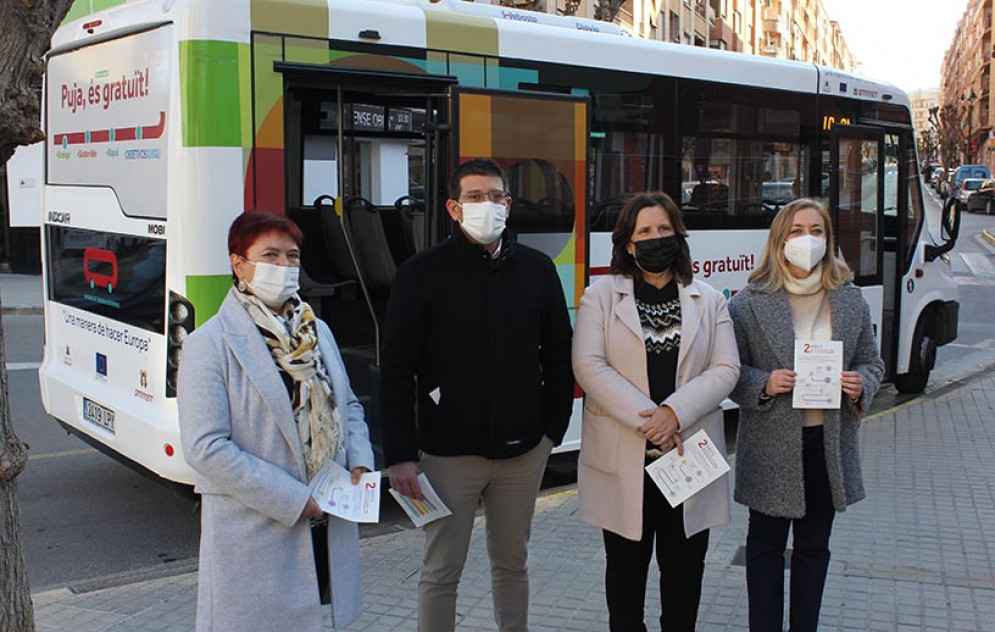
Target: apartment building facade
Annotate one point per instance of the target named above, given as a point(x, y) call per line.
point(922, 101)
point(678, 21)
point(966, 87)
point(802, 30)
point(789, 29)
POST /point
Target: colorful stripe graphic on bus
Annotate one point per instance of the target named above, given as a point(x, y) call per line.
point(105, 261)
point(121, 134)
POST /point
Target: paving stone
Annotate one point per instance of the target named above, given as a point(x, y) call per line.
point(916, 554)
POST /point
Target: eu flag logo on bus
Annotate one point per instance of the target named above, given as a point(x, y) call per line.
point(842, 87)
point(102, 364)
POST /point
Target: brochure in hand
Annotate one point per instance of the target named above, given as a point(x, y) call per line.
point(681, 477)
point(422, 511)
point(334, 492)
point(818, 365)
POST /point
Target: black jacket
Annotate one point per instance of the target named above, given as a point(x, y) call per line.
point(484, 346)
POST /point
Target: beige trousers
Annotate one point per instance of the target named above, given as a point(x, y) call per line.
point(507, 488)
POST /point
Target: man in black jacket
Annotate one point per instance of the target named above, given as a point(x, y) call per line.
point(477, 339)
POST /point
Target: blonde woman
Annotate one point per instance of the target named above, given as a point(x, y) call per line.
point(796, 468)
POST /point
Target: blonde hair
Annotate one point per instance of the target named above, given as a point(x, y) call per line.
point(773, 268)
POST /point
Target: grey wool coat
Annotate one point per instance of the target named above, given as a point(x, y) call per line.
point(769, 443)
point(257, 568)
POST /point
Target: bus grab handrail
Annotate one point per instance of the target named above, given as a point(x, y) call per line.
point(347, 236)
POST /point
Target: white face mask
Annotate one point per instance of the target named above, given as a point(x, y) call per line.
point(273, 284)
point(484, 221)
point(805, 252)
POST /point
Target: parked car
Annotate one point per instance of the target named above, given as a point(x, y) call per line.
point(967, 187)
point(983, 199)
point(939, 173)
point(964, 172)
point(777, 194)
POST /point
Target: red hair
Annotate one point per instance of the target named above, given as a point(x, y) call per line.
point(250, 225)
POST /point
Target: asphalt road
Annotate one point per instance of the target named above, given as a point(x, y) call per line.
point(83, 514)
point(89, 521)
point(974, 267)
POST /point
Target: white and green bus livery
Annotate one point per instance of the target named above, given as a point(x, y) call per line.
point(165, 120)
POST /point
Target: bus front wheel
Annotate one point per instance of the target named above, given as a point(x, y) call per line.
point(921, 360)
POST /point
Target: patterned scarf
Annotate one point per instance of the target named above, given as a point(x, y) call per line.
point(292, 338)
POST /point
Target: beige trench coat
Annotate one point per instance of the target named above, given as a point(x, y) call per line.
point(609, 361)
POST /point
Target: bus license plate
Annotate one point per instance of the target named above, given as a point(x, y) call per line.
point(98, 415)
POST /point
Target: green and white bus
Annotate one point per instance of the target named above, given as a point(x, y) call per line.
point(167, 118)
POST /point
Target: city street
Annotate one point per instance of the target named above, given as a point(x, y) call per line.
point(90, 521)
point(973, 263)
point(84, 514)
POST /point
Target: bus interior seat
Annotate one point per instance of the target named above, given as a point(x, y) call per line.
point(711, 196)
point(412, 211)
point(542, 198)
point(314, 292)
point(414, 226)
point(395, 233)
point(335, 240)
point(605, 214)
point(372, 248)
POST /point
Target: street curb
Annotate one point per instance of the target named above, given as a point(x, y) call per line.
point(50, 596)
point(22, 311)
point(988, 235)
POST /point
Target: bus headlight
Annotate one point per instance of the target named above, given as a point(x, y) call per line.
point(181, 323)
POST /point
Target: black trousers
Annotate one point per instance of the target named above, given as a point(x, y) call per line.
point(765, 543)
point(681, 561)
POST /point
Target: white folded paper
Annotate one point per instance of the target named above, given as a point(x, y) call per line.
point(334, 492)
point(818, 364)
point(681, 477)
point(422, 511)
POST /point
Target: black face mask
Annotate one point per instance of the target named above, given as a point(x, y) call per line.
point(657, 255)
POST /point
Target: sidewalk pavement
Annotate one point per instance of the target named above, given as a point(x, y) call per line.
point(917, 554)
point(20, 294)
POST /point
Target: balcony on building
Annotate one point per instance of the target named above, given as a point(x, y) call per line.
point(724, 38)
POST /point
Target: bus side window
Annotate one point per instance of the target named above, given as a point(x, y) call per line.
point(740, 158)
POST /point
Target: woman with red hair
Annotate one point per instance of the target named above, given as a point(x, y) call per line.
point(264, 403)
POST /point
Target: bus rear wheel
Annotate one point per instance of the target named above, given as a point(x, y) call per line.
point(921, 360)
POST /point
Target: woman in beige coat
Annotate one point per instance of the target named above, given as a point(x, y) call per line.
point(655, 353)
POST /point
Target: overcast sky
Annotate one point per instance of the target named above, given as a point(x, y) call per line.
point(899, 41)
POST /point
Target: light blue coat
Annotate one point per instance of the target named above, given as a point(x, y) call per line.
point(257, 569)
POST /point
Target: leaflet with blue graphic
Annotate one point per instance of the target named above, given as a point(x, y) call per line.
point(334, 492)
point(818, 365)
point(681, 477)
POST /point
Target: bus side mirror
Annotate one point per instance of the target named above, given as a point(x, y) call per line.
point(949, 229)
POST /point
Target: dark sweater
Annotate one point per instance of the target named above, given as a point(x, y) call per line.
point(660, 316)
point(482, 347)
